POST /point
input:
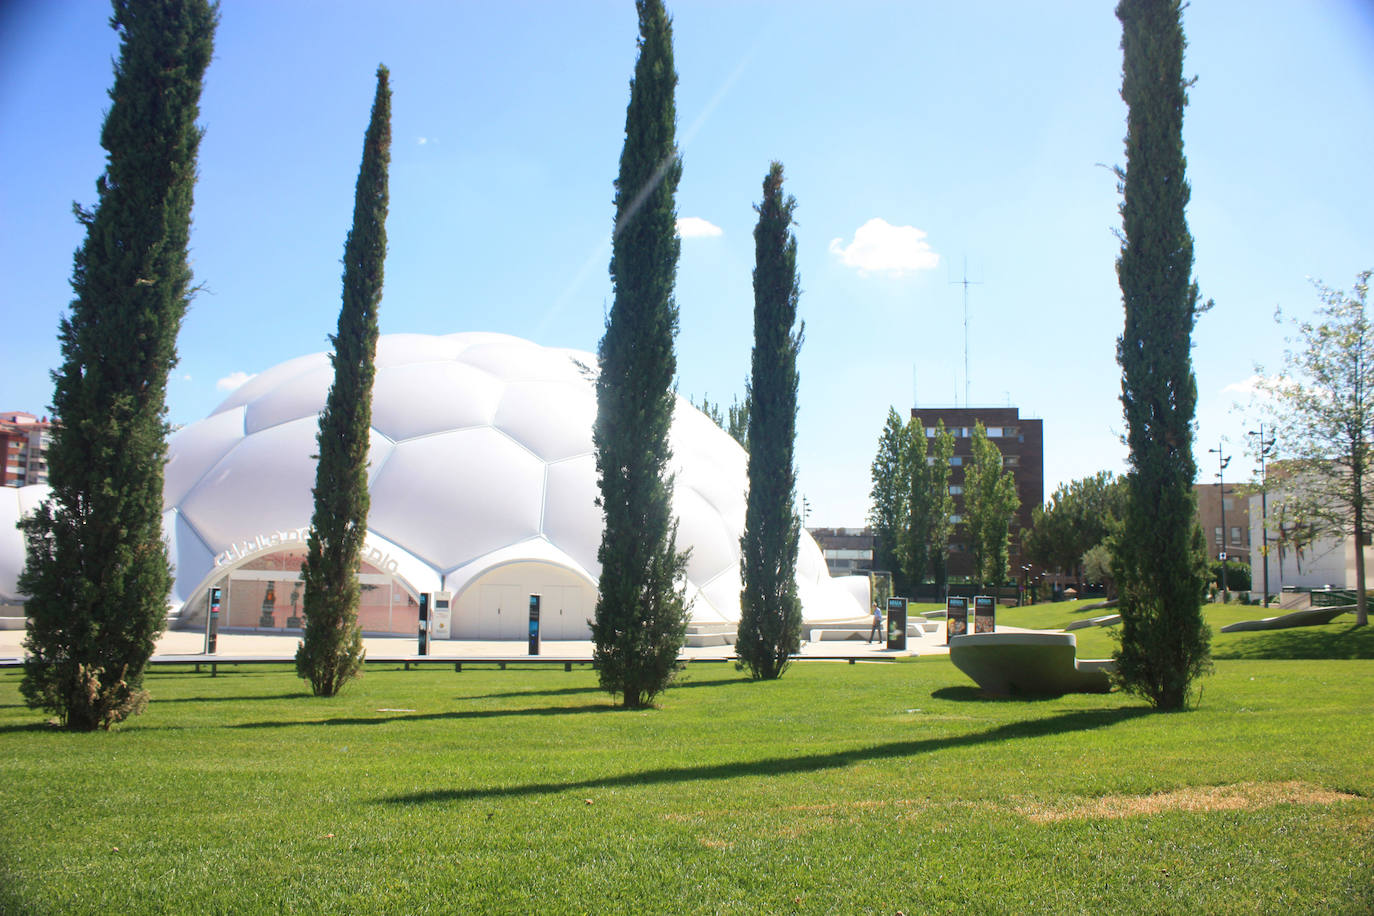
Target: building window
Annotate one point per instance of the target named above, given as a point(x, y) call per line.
point(1227, 503)
point(1217, 532)
point(1235, 534)
point(956, 460)
point(956, 518)
point(955, 489)
point(1011, 461)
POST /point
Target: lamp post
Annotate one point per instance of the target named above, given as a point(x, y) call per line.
point(1264, 445)
point(1222, 461)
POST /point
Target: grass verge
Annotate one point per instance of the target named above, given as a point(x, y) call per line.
point(866, 788)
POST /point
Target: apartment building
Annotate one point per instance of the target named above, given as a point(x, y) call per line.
point(24, 442)
point(1021, 442)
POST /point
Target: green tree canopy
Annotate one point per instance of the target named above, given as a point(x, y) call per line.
point(889, 498)
point(990, 501)
point(1321, 406)
point(1164, 642)
point(769, 631)
point(1079, 516)
point(96, 572)
point(332, 652)
point(641, 608)
point(923, 543)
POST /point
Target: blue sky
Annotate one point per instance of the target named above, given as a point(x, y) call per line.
point(916, 136)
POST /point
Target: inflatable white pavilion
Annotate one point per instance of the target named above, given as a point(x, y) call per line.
point(483, 485)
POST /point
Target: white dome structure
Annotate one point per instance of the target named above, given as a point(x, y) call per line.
point(483, 485)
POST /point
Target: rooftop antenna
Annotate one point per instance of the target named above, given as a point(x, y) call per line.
point(965, 283)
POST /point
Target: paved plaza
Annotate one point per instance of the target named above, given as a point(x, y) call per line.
point(192, 642)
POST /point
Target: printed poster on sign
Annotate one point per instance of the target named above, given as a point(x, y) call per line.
point(956, 617)
point(984, 614)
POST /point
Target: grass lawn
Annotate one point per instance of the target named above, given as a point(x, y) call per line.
point(1339, 639)
point(866, 788)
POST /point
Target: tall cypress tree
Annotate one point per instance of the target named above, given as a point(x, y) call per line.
point(641, 610)
point(1164, 642)
point(97, 573)
point(770, 611)
point(332, 651)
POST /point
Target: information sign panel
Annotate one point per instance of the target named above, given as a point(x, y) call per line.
point(984, 614)
point(212, 623)
point(424, 624)
point(896, 623)
point(956, 617)
point(534, 624)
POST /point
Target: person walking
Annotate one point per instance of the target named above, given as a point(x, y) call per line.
point(877, 629)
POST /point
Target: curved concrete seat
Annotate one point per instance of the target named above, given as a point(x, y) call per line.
point(1042, 664)
point(1106, 620)
point(1311, 617)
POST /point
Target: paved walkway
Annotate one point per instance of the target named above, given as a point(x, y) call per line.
point(192, 642)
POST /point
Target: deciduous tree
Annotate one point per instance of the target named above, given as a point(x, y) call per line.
point(1322, 409)
point(641, 609)
point(889, 497)
point(924, 540)
point(769, 630)
point(97, 573)
point(990, 500)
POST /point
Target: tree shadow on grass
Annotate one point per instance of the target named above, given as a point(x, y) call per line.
point(787, 766)
point(1332, 640)
point(236, 698)
point(968, 694)
point(453, 715)
point(43, 726)
point(593, 689)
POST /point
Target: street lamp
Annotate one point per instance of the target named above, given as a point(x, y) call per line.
point(1223, 461)
point(1264, 445)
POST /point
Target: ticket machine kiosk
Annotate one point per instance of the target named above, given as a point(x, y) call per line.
point(442, 615)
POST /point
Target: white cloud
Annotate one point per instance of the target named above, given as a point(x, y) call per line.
point(421, 141)
point(880, 246)
point(1244, 386)
point(233, 380)
point(1253, 387)
point(694, 227)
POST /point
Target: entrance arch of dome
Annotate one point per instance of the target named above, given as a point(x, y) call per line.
point(495, 603)
point(262, 591)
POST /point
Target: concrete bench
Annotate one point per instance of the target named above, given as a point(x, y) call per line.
point(1037, 664)
point(1311, 617)
point(1106, 620)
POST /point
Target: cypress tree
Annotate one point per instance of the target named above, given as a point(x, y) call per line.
point(1164, 642)
point(97, 573)
point(332, 651)
point(641, 609)
point(770, 610)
